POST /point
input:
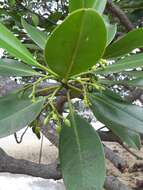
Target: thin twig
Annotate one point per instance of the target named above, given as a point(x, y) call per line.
point(41, 149)
point(131, 152)
point(21, 138)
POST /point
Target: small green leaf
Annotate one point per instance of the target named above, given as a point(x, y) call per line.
point(130, 62)
point(113, 112)
point(10, 67)
point(80, 42)
point(16, 113)
point(35, 19)
point(126, 44)
point(14, 47)
point(111, 32)
point(98, 5)
point(36, 35)
point(81, 156)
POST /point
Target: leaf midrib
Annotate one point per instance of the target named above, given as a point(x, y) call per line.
point(76, 48)
point(78, 144)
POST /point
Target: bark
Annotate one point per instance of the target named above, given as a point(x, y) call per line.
point(117, 161)
point(116, 11)
point(112, 183)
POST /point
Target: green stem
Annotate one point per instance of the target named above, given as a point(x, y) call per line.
point(48, 70)
point(74, 88)
point(47, 89)
point(69, 102)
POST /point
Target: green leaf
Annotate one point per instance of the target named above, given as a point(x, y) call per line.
point(135, 82)
point(126, 44)
point(16, 113)
point(138, 82)
point(136, 74)
point(14, 47)
point(36, 35)
point(131, 138)
point(111, 32)
point(130, 62)
point(10, 67)
point(35, 19)
point(111, 29)
point(113, 112)
point(81, 156)
point(98, 5)
point(80, 42)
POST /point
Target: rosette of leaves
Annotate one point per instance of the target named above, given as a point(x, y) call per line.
point(76, 57)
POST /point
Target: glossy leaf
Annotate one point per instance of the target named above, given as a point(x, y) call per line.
point(10, 67)
point(36, 35)
point(81, 156)
point(126, 44)
point(111, 32)
point(16, 113)
point(130, 62)
point(98, 5)
point(111, 112)
point(80, 41)
point(14, 47)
